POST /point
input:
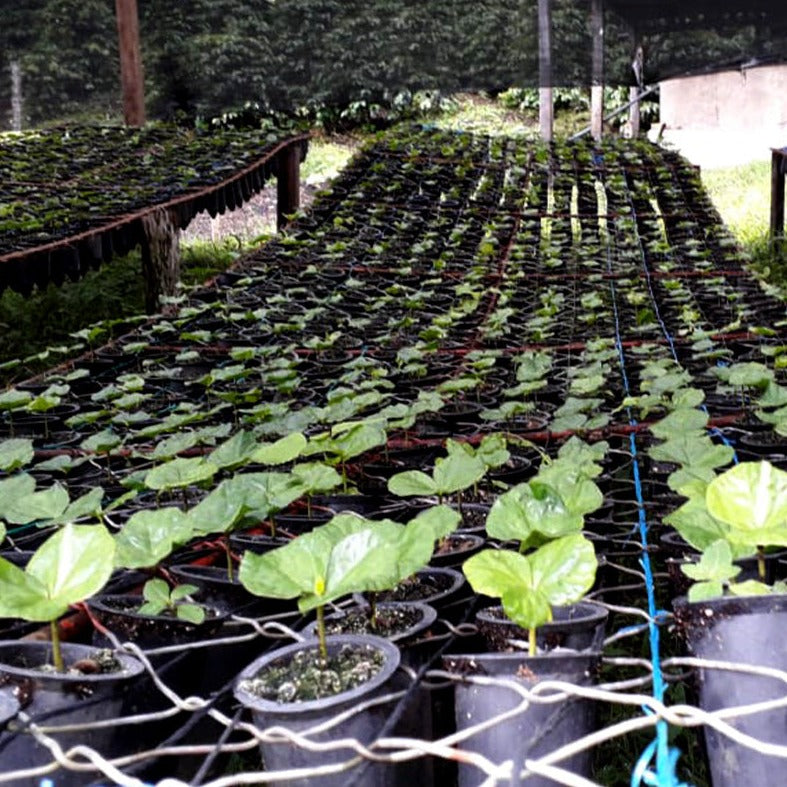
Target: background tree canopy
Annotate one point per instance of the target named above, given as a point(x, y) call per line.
point(206, 57)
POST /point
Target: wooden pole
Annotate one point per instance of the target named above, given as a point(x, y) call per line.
point(597, 75)
point(638, 67)
point(778, 174)
point(634, 112)
point(545, 104)
point(16, 96)
point(288, 184)
point(130, 62)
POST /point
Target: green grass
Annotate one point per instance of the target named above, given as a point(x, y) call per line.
point(742, 197)
point(327, 156)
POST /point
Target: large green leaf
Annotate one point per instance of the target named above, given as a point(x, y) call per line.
point(13, 399)
point(286, 449)
point(173, 445)
point(68, 567)
point(456, 472)
point(752, 498)
point(48, 504)
point(236, 451)
point(13, 490)
point(15, 453)
point(683, 422)
point(316, 477)
point(441, 521)
point(266, 493)
point(564, 569)
point(698, 527)
point(180, 472)
point(412, 482)
point(149, 536)
point(101, 442)
point(580, 495)
point(529, 510)
point(89, 504)
point(220, 510)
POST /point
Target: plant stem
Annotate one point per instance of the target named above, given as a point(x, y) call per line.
point(373, 611)
point(531, 641)
point(230, 572)
point(761, 563)
point(321, 632)
point(57, 653)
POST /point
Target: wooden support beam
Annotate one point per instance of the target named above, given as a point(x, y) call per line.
point(288, 184)
point(130, 62)
point(778, 174)
point(597, 74)
point(160, 257)
point(545, 103)
point(16, 95)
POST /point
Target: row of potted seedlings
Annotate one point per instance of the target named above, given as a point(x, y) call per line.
point(338, 421)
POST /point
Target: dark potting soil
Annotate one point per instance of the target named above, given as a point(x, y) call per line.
point(390, 621)
point(307, 676)
point(102, 662)
point(418, 588)
point(454, 543)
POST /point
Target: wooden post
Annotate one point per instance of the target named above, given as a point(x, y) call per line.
point(130, 62)
point(288, 184)
point(597, 73)
point(778, 173)
point(634, 112)
point(545, 104)
point(160, 257)
point(16, 96)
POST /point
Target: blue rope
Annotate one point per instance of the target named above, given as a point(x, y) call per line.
point(666, 758)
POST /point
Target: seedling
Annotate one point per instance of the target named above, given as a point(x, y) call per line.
point(70, 566)
point(159, 599)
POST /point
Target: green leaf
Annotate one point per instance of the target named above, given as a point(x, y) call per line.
point(749, 374)
point(751, 587)
point(564, 569)
point(179, 592)
point(15, 453)
point(680, 423)
point(316, 477)
point(13, 399)
point(101, 442)
point(284, 450)
point(456, 472)
point(156, 592)
point(715, 564)
point(180, 472)
point(236, 451)
point(530, 512)
point(68, 567)
point(88, 504)
point(47, 504)
point(412, 482)
point(150, 535)
point(441, 521)
point(173, 445)
point(191, 613)
point(220, 510)
point(752, 498)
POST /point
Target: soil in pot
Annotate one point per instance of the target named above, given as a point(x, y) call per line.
point(376, 659)
point(98, 687)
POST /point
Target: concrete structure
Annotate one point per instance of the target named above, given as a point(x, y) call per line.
point(728, 117)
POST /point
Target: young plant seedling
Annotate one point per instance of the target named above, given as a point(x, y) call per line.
point(159, 599)
point(559, 572)
point(70, 566)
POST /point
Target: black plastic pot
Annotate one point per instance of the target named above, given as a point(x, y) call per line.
point(61, 699)
point(577, 626)
point(540, 728)
point(742, 631)
point(363, 726)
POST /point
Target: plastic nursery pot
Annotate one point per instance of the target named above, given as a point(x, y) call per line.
point(455, 549)
point(119, 614)
point(300, 717)
point(440, 588)
point(577, 626)
point(746, 631)
point(57, 700)
point(540, 728)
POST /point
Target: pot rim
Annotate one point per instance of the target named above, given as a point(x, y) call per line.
point(334, 641)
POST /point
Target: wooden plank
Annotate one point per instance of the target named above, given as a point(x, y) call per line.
point(130, 62)
point(545, 104)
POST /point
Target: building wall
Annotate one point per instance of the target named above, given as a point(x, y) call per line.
point(754, 99)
